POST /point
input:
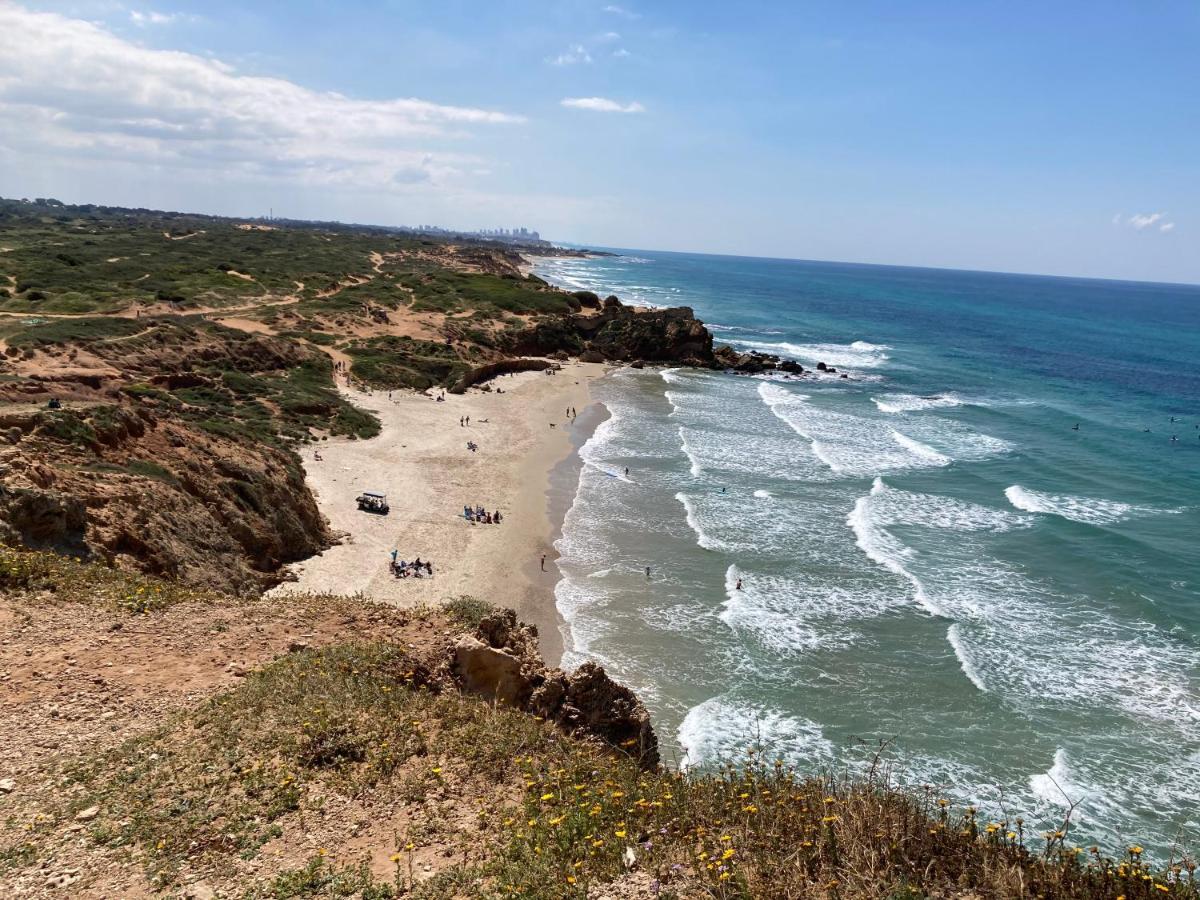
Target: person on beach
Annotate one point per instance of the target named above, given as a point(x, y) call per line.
point(627, 471)
point(647, 573)
point(543, 562)
point(468, 420)
point(460, 421)
point(739, 585)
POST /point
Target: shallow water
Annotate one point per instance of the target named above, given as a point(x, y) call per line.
point(929, 551)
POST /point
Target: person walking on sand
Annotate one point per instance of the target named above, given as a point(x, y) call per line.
point(468, 421)
point(647, 573)
point(543, 562)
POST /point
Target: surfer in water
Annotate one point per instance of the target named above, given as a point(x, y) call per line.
point(739, 585)
point(1075, 427)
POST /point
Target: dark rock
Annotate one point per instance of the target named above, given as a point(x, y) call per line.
point(591, 356)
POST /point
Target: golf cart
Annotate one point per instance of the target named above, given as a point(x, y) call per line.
point(373, 502)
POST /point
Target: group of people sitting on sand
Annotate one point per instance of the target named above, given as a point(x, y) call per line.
point(414, 569)
point(482, 516)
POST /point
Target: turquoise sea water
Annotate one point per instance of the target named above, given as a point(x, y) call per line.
point(930, 552)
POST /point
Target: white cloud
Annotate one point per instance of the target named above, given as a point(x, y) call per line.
point(621, 53)
point(71, 90)
point(602, 104)
point(151, 17)
point(1141, 221)
point(608, 37)
point(621, 11)
point(576, 53)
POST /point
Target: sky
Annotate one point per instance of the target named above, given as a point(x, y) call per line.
point(1057, 138)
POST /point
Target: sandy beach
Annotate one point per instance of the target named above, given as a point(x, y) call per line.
point(421, 461)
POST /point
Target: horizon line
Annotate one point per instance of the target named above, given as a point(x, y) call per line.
point(574, 245)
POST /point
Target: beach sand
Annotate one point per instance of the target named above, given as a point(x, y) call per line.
point(421, 461)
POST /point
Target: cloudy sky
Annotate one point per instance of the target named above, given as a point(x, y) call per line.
point(1037, 137)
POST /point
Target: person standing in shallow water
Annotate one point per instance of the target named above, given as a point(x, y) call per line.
point(647, 573)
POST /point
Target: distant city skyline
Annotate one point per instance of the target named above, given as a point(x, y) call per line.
point(1019, 137)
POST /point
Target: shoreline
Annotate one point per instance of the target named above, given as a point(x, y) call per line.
point(419, 459)
point(561, 491)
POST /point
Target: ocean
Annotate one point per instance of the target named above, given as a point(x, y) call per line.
point(980, 551)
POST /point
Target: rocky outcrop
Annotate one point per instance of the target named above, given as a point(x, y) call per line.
point(620, 333)
point(501, 661)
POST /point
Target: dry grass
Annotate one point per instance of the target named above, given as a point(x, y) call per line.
point(415, 790)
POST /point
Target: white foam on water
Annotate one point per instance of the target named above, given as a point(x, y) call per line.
point(766, 608)
point(858, 355)
point(1013, 635)
point(702, 537)
point(671, 376)
point(922, 450)
point(721, 729)
point(1056, 785)
point(1088, 510)
point(689, 453)
point(964, 658)
point(901, 403)
point(730, 523)
point(891, 506)
point(763, 494)
point(884, 549)
point(856, 445)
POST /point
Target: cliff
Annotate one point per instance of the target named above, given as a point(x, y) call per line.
point(313, 746)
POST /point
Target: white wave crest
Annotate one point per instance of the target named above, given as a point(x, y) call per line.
point(1088, 510)
point(858, 355)
point(924, 451)
point(900, 403)
point(954, 637)
point(883, 549)
point(720, 729)
point(763, 494)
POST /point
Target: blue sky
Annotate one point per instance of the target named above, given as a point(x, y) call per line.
point(1060, 138)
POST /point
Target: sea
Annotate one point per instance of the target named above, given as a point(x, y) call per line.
point(977, 554)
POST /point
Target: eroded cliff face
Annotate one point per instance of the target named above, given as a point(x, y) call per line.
point(156, 495)
point(170, 453)
point(501, 661)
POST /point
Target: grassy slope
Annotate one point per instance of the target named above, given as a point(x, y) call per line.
point(503, 804)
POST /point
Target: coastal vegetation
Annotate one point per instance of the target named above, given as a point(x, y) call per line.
point(414, 788)
point(158, 374)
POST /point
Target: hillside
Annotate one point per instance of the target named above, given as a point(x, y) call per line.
point(192, 355)
point(168, 741)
